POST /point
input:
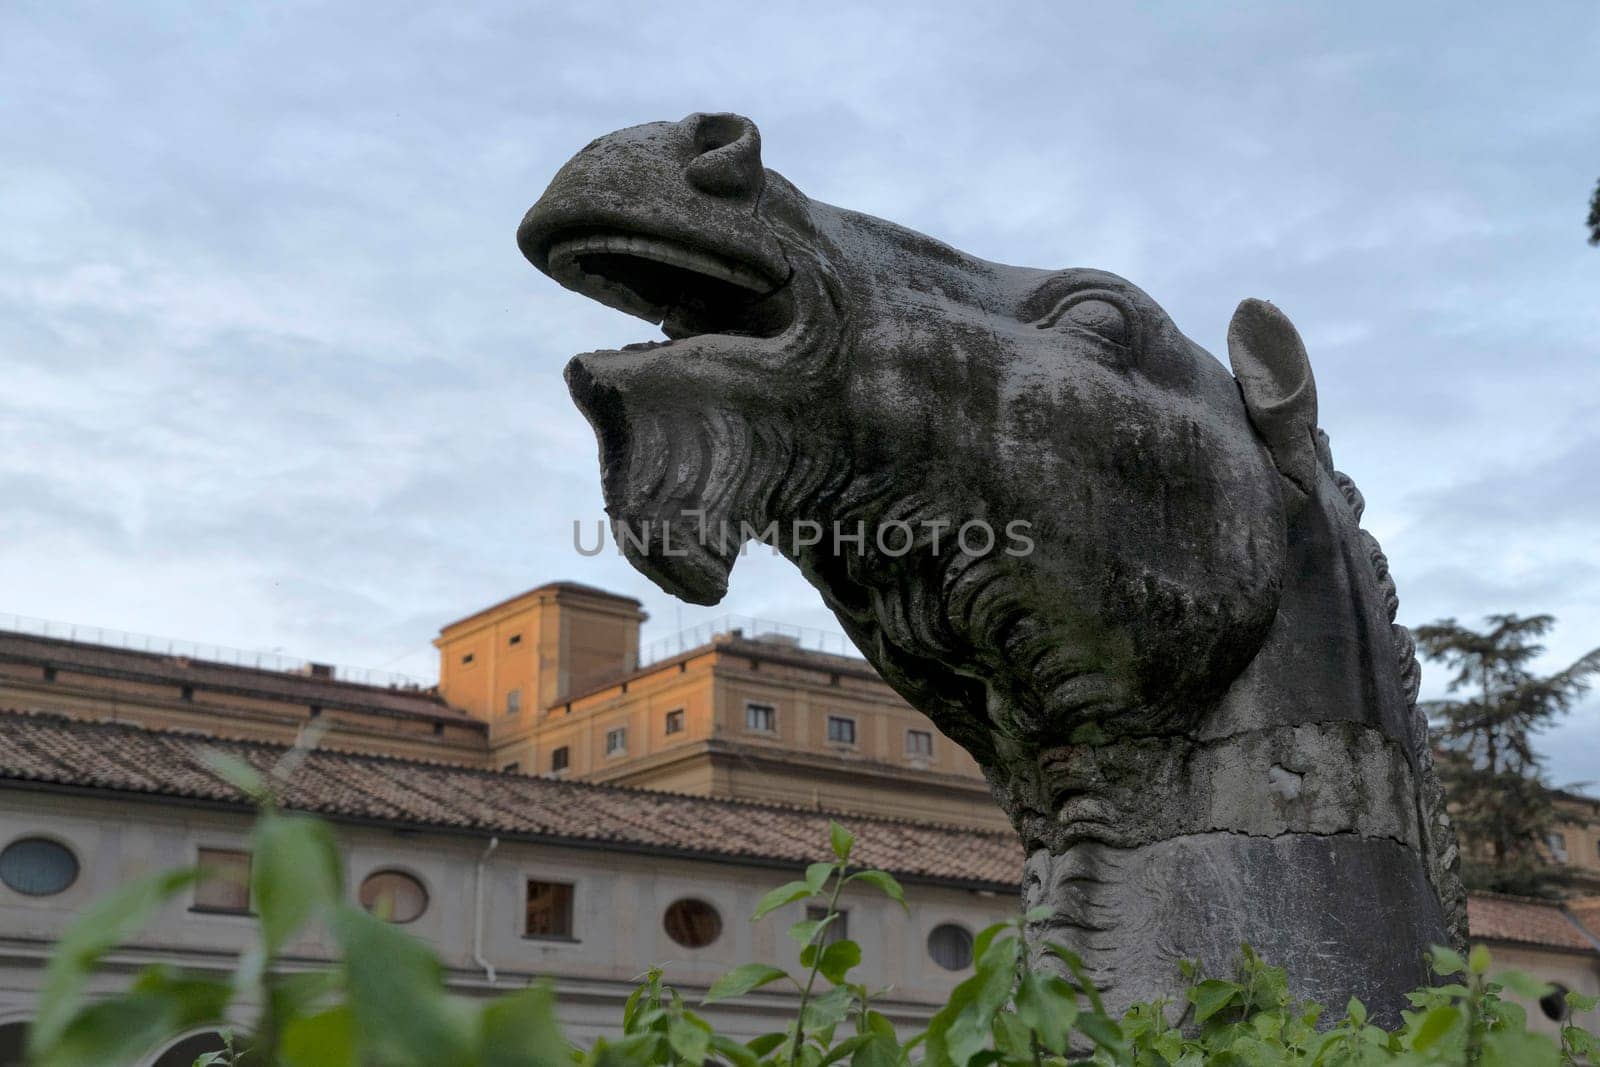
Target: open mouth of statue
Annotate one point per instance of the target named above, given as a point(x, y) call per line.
point(689, 291)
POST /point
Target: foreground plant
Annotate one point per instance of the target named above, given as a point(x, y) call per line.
point(385, 1004)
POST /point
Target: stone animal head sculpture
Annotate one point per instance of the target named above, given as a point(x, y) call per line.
point(1127, 580)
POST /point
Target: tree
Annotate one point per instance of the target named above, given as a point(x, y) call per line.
point(1594, 216)
point(1503, 809)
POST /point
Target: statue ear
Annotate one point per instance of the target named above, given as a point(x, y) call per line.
point(1274, 374)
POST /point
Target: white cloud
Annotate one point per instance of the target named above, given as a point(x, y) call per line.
point(275, 374)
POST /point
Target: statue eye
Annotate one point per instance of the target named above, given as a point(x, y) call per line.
point(1095, 312)
point(1103, 318)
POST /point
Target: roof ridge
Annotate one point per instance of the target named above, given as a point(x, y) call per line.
point(202, 661)
point(1518, 898)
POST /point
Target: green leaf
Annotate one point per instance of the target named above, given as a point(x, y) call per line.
point(520, 1030)
point(1039, 914)
point(111, 1033)
point(1048, 1007)
point(1080, 974)
point(1212, 996)
point(805, 931)
point(885, 882)
point(295, 873)
point(396, 993)
point(1478, 960)
point(986, 936)
point(842, 840)
point(689, 1041)
point(1101, 1031)
point(765, 1043)
point(735, 1053)
point(817, 876)
point(105, 925)
point(1447, 962)
point(1518, 1048)
point(787, 893)
point(828, 1010)
point(1356, 1012)
point(1524, 984)
point(326, 1039)
point(837, 959)
point(1435, 1025)
point(1580, 1004)
point(742, 980)
point(877, 1050)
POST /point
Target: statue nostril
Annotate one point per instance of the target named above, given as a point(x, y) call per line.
point(727, 160)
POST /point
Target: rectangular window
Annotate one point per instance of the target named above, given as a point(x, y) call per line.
point(516, 639)
point(559, 758)
point(675, 721)
point(617, 741)
point(225, 886)
point(761, 718)
point(513, 702)
point(465, 660)
point(1558, 847)
point(511, 768)
point(841, 730)
point(549, 910)
point(919, 743)
point(838, 930)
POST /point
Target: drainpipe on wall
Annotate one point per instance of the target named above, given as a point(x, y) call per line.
point(477, 914)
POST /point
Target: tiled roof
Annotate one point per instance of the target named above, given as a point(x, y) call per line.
point(1519, 920)
point(51, 750)
point(124, 758)
point(223, 678)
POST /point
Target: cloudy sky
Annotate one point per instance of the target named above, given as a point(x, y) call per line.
point(273, 375)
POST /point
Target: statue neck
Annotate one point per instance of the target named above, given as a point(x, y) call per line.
point(1329, 656)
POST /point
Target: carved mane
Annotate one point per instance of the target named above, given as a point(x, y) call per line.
point(1441, 851)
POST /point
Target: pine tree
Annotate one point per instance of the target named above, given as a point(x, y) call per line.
point(1503, 809)
point(1594, 216)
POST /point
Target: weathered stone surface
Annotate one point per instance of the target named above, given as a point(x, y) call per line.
point(1174, 654)
point(1331, 910)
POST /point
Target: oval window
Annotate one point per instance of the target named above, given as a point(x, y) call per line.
point(394, 895)
point(184, 1053)
point(950, 946)
point(693, 923)
point(38, 866)
point(1554, 1003)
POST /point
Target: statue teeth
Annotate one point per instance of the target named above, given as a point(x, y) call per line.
point(667, 252)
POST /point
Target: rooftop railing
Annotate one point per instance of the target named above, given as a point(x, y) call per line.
point(232, 657)
point(810, 638)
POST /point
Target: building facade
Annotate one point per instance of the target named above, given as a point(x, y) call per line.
point(562, 806)
point(510, 879)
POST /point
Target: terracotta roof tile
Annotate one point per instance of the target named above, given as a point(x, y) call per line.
point(1523, 921)
point(126, 758)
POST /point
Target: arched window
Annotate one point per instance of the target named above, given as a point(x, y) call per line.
point(38, 866)
point(13, 1039)
point(950, 945)
point(394, 895)
point(1554, 1003)
point(184, 1052)
point(692, 923)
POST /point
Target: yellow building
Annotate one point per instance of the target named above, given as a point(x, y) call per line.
point(555, 674)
